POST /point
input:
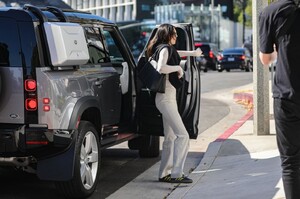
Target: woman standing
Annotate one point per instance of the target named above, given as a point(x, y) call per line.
point(176, 137)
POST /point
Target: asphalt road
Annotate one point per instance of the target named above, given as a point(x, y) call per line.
point(120, 165)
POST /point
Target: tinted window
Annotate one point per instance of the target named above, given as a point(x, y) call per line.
point(233, 51)
point(181, 39)
point(97, 52)
point(112, 44)
point(9, 43)
point(137, 36)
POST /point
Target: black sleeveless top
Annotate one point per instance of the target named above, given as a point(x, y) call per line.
point(173, 60)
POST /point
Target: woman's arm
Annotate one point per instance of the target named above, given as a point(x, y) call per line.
point(195, 53)
point(162, 65)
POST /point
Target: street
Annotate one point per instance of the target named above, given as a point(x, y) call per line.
point(120, 165)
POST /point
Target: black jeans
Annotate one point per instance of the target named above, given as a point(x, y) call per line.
point(287, 121)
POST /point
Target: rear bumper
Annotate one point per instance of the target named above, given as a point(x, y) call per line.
point(231, 65)
point(50, 152)
point(36, 141)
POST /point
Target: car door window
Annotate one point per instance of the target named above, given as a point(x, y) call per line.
point(181, 39)
point(98, 53)
point(113, 46)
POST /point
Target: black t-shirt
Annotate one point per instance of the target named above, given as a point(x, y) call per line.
point(271, 22)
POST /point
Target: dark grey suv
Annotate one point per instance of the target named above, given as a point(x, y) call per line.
point(68, 89)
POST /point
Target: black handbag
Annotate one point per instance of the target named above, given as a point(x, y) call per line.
point(151, 78)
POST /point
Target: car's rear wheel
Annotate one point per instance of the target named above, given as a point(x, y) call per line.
point(86, 166)
point(220, 70)
point(228, 70)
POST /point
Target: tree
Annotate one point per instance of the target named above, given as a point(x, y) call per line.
point(243, 8)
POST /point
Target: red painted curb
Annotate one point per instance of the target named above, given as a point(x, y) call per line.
point(238, 96)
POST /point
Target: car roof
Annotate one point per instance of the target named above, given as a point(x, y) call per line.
point(234, 50)
point(20, 14)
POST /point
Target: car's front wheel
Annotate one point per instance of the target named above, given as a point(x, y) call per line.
point(87, 164)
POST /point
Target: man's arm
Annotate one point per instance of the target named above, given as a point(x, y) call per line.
point(267, 59)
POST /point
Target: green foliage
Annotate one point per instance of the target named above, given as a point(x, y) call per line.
point(239, 5)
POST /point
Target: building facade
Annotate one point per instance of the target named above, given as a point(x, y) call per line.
point(116, 10)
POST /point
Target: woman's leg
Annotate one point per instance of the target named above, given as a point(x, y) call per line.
point(166, 164)
point(181, 144)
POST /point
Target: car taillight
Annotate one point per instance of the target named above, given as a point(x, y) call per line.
point(46, 102)
point(219, 57)
point(211, 54)
point(243, 57)
point(30, 94)
point(30, 104)
point(198, 44)
point(30, 85)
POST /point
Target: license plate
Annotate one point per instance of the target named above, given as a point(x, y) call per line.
point(230, 58)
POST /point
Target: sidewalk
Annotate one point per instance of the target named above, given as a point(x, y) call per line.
point(238, 165)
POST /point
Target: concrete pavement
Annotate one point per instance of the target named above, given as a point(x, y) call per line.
point(236, 163)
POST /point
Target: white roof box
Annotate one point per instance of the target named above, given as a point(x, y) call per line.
point(67, 44)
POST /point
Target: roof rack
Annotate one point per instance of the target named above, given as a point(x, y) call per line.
point(39, 12)
point(58, 13)
point(35, 10)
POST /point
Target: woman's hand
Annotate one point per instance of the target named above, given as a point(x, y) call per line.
point(197, 52)
point(180, 72)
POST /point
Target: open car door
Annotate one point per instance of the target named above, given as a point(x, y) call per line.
point(188, 96)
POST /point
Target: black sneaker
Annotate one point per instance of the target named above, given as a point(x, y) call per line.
point(182, 179)
point(167, 178)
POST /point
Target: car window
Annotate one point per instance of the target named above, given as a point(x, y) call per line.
point(233, 51)
point(97, 51)
point(9, 43)
point(181, 40)
point(137, 36)
point(113, 46)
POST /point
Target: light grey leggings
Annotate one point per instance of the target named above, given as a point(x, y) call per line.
point(176, 138)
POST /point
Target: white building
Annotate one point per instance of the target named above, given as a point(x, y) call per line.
point(115, 10)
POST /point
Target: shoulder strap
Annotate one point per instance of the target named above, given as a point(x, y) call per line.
point(155, 55)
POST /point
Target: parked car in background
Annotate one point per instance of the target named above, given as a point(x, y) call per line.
point(235, 58)
point(209, 58)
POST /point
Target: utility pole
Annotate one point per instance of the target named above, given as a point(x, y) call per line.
point(212, 5)
point(261, 120)
point(244, 4)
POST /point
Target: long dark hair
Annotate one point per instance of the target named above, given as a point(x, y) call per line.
point(163, 35)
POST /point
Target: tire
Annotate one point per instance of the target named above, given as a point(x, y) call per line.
point(87, 164)
point(228, 70)
point(149, 146)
